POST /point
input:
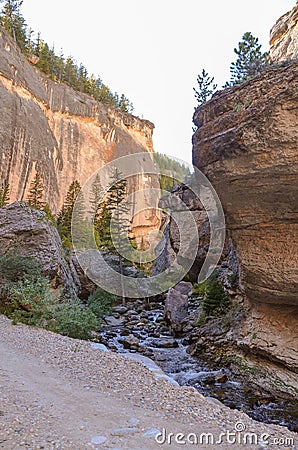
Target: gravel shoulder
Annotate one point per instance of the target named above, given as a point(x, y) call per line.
point(60, 393)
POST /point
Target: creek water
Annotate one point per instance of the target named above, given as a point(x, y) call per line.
point(220, 383)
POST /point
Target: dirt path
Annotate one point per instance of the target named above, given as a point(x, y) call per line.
point(52, 400)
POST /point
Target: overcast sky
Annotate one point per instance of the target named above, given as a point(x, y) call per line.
point(153, 50)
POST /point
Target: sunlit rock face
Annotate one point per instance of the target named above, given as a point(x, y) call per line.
point(284, 37)
point(65, 135)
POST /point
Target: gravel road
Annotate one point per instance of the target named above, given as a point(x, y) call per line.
point(61, 393)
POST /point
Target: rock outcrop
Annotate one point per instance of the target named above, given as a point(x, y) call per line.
point(284, 37)
point(176, 306)
point(247, 145)
point(26, 232)
point(47, 127)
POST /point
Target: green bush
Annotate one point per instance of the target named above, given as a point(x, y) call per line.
point(74, 320)
point(100, 302)
point(14, 268)
point(216, 300)
point(198, 289)
point(29, 301)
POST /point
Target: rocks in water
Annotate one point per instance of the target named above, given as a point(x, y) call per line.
point(112, 321)
point(221, 378)
point(25, 231)
point(163, 342)
point(130, 342)
point(176, 306)
point(120, 309)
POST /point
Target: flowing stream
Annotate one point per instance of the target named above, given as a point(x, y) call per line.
point(221, 384)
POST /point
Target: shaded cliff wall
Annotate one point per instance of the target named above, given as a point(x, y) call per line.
point(247, 145)
point(65, 135)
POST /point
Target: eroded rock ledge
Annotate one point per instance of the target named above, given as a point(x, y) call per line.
point(246, 143)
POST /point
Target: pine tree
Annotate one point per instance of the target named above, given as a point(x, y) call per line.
point(35, 197)
point(64, 218)
point(206, 87)
point(4, 194)
point(250, 59)
point(96, 195)
point(13, 22)
point(113, 222)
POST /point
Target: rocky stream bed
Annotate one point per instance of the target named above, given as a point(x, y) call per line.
point(139, 327)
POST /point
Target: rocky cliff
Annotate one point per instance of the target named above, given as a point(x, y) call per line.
point(65, 135)
point(247, 145)
point(284, 37)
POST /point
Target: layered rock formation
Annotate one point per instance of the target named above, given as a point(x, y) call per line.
point(65, 135)
point(26, 232)
point(247, 145)
point(284, 37)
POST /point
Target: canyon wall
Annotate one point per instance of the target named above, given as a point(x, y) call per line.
point(65, 135)
point(246, 143)
point(284, 37)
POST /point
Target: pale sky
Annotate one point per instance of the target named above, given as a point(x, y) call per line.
point(153, 50)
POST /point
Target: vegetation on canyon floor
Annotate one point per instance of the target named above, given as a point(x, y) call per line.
point(27, 296)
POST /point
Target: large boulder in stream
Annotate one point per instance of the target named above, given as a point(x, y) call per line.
point(176, 306)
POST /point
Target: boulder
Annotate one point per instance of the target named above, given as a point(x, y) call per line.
point(164, 342)
point(284, 37)
point(25, 231)
point(112, 321)
point(176, 306)
point(130, 341)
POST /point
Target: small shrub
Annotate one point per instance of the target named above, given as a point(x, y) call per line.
point(30, 301)
point(198, 289)
point(216, 301)
point(100, 302)
point(14, 268)
point(74, 320)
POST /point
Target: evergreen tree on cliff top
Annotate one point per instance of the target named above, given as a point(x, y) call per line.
point(13, 22)
point(206, 87)
point(250, 59)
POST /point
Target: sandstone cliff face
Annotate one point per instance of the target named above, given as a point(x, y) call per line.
point(284, 37)
point(246, 143)
point(47, 127)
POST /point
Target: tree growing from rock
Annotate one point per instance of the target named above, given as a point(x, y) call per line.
point(4, 193)
point(250, 59)
point(206, 87)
